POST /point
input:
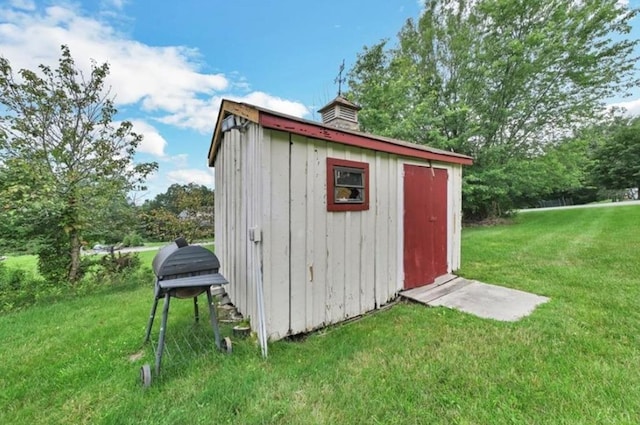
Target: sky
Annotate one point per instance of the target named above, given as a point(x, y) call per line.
point(172, 62)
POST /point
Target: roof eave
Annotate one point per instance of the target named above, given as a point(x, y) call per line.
point(228, 107)
point(314, 130)
point(282, 122)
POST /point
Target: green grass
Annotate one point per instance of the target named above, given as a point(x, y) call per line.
point(146, 257)
point(25, 262)
point(30, 262)
point(574, 361)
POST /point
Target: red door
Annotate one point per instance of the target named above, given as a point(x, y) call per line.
point(425, 225)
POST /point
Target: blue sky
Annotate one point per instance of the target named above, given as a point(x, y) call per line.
point(173, 62)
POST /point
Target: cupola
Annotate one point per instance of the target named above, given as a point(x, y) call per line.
point(340, 113)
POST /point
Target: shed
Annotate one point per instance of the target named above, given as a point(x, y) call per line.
point(329, 222)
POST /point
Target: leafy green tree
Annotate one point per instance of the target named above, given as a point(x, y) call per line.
point(497, 80)
point(618, 158)
point(62, 157)
point(114, 218)
point(160, 224)
point(178, 198)
point(183, 210)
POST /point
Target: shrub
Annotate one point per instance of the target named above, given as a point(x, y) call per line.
point(115, 271)
point(132, 239)
point(20, 288)
point(110, 269)
point(51, 264)
point(113, 264)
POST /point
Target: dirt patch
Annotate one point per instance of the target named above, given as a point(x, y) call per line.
point(136, 356)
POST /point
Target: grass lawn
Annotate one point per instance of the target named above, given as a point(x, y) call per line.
point(25, 262)
point(574, 361)
point(30, 262)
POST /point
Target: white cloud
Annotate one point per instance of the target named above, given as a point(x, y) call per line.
point(632, 106)
point(265, 100)
point(201, 114)
point(197, 114)
point(192, 175)
point(162, 78)
point(166, 82)
point(118, 4)
point(153, 83)
point(23, 4)
point(152, 143)
point(180, 160)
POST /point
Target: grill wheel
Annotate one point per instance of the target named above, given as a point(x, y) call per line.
point(145, 375)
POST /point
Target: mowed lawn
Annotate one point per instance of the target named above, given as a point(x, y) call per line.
point(576, 360)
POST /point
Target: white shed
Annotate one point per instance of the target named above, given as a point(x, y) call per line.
point(330, 222)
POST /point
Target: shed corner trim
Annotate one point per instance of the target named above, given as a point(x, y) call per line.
point(229, 107)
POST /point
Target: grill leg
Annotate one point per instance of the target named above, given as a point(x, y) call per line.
point(163, 330)
point(213, 315)
point(195, 309)
point(152, 315)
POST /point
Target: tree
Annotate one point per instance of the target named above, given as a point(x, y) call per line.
point(114, 219)
point(618, 158)
point(62, 157)
point(497, 80)
point(183, 210)
point(178, 198)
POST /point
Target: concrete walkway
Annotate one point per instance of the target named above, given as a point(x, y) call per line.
point(477, 298)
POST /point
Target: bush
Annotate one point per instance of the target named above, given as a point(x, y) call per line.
point(51, 264)
point(111, 269)
point(113, 264)
point(20, 288)
point(24, 288)
point(132, 239)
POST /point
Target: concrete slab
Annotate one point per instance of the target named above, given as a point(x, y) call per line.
point(428, 293)
point(491, 301)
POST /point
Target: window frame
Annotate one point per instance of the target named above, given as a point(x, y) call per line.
point(334, 164)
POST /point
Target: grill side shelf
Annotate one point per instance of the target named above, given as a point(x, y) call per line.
point(193, 281)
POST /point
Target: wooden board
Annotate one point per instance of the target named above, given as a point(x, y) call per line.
point(428, 293)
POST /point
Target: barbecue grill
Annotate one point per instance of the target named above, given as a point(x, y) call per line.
point(183, 271)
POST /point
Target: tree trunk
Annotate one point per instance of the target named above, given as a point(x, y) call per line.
point(74, 269)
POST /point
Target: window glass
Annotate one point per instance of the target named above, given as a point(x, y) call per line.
point(347, 185)
point(348, 177)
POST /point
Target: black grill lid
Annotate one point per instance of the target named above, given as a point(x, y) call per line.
point(178, 260)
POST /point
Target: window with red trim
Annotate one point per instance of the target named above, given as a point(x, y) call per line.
point(347, 185)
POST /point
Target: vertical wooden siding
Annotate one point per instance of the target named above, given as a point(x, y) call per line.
point(238, 170)
point(334, 270)
point(318, 267)
point(387, 217)
point(455, 216)
point(275, 225)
